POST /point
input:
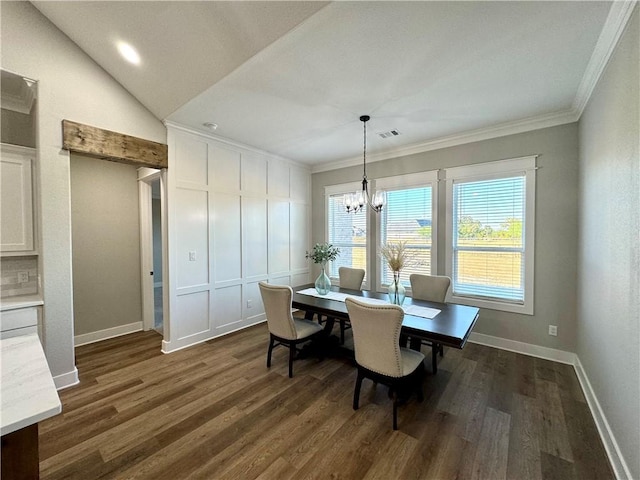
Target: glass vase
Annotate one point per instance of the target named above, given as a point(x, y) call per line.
point(396, 290)
point(323, 283)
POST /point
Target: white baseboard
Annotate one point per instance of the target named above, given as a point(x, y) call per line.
point(525, 348)
point(92, 337)
point(620, 467)
point(66, 379)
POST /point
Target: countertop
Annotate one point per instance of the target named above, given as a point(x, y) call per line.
point(28, 392)
point(21, 301)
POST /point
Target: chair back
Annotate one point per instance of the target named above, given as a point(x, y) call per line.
point(351, 278)
point(277, 306)
point(376, 336)
point(432, 288)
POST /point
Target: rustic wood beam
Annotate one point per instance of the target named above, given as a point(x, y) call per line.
point(112, 146)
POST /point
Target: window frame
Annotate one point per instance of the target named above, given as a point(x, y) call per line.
point(493, 171)
point(341, 189)
point(405, 182)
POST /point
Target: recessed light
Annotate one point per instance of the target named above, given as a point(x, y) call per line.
point(129, 53)
point(210, 125)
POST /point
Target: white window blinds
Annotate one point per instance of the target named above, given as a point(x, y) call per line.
point(489, 238)
point(407, 217)
point(347, 231)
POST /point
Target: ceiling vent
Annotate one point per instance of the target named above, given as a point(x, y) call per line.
point(390, 133)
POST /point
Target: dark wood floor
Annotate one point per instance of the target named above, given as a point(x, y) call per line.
point(215, 411)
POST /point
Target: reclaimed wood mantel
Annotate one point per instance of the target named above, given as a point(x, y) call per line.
point(113, 146)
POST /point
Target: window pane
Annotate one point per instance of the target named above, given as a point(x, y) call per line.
point(347, 231)
point(488, 245)
point(407, 217)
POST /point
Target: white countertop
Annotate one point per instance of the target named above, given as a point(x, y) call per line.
point(28, 392)
point(21, 301)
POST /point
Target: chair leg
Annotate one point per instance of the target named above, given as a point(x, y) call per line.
point(419, 383)
point(441, 348)
point(342, 328)
point(395, 410)
point(292, 354)
point(434, 357)
point(271, 341)
point(356, 393)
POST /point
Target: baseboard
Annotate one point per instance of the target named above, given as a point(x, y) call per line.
point(170, 347)
point(620, 467)
point(100, 335)
point(525, 348)
point(66, 380)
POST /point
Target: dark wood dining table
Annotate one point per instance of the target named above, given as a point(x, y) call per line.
point(451, 327)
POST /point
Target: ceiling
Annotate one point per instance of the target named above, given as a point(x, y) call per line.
point(292, 78)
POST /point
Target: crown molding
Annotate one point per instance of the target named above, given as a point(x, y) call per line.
point(233, 143)
point(510, 128)
point(613, 28)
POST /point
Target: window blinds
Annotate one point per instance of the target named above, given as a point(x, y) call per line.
point(407, 216)
point(488, 238)
point(347, 231)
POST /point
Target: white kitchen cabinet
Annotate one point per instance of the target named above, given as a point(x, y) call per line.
point(16, 199)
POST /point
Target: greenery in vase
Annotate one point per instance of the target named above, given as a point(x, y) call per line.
point(323, 252)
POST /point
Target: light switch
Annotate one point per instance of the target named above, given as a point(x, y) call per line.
point(192, 256)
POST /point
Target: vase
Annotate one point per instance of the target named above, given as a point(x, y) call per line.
point(396, 290)
point(323, 283)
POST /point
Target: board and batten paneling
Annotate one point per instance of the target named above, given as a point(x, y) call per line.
point(237, 216)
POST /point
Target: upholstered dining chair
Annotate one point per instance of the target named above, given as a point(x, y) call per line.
point(432, 288)
point(350, 278)
point(379, 357)
point(284, 328)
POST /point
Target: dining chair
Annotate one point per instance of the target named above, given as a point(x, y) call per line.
point(379, 357)
point(350, 278)
point(432, 288)
point(284, 328)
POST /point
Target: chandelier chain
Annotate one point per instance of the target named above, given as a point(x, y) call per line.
point(364, 150)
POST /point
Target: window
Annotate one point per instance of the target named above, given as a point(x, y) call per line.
point(409, 216)
point(490, 233)
point(346, 231)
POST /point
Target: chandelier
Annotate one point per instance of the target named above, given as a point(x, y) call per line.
point(355, 202)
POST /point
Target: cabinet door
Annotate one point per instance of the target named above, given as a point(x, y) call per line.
point(16, 199)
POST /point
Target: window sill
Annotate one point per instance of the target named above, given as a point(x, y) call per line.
point(525, 309)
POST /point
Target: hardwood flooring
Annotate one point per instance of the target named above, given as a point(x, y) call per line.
point(214, 411)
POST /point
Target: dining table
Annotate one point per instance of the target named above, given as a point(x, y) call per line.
point(447, 324)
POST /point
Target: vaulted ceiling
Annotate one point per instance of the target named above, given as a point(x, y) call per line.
point(292, 78)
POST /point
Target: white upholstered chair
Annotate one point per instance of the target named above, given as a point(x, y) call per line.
point(432, 288)
point(284, 328)
point(350, 278)
point(379, 357)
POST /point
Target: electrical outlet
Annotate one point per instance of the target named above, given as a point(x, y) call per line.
point(23, 277)
point(249, 303)
point(553, 330)
point(192, 256)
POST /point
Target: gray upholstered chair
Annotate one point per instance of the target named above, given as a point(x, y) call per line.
point(284, 329)
point(432, 288)
point(350, 278)
point(379, 357)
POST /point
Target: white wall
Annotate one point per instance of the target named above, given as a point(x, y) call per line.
point(70, 86)
point(237, 216)
point(608, 332)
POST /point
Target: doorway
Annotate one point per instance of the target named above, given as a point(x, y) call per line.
point(152, 249)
